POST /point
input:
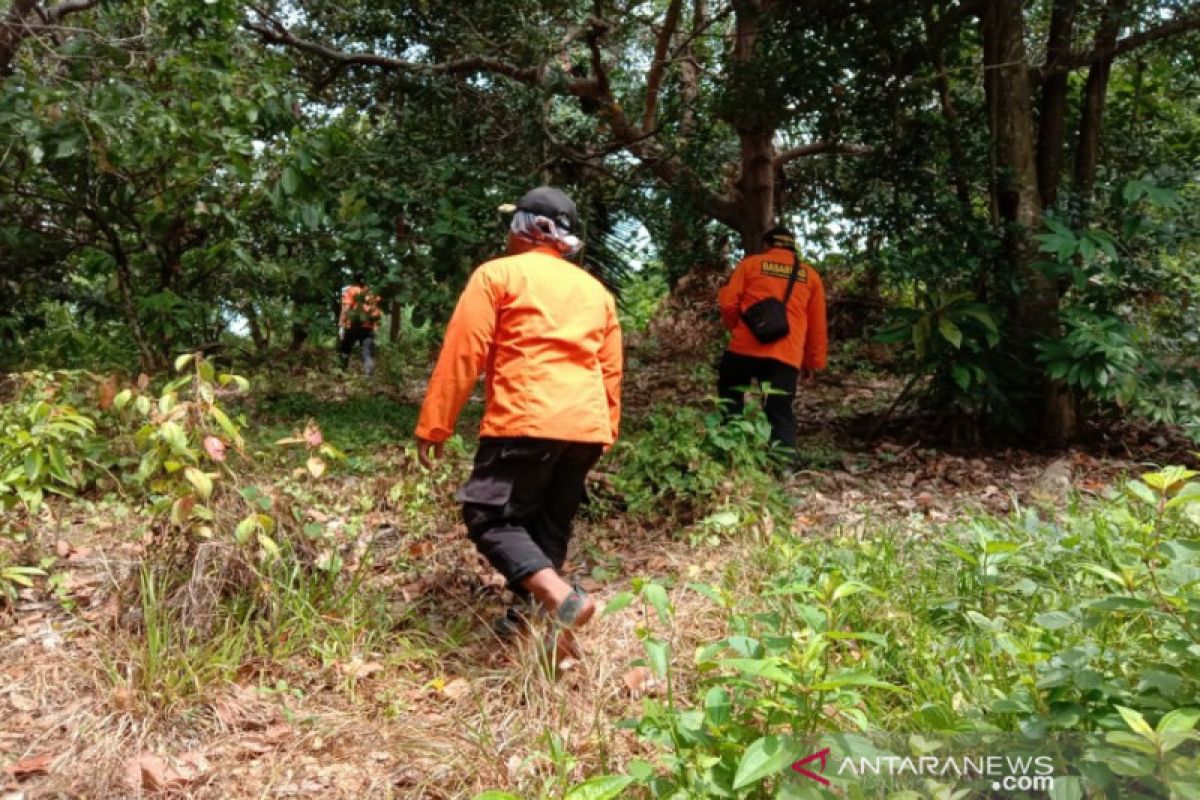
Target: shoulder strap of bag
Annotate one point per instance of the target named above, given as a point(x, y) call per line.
point(792, 277)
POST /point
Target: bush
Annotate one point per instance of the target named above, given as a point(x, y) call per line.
point(686, 462)
point(1015, 630)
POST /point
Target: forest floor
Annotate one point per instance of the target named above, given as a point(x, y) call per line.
point(402, 691)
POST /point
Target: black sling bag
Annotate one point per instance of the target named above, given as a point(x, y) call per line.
point(768, 319)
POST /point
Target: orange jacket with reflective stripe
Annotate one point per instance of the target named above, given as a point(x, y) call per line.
point(547, 334)
point(358, 302)
point(765, 275)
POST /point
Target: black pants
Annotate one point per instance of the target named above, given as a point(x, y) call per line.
point(352, 336)
point(737, 371)
point(520, 500)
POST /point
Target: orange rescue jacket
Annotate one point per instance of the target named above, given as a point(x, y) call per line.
point(360, 308)
point(547, 334)
point(765, 275)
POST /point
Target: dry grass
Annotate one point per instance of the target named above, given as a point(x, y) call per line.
point(445, 719)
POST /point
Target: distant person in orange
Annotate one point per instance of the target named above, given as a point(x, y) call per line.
point(360, 316)
point(547, 334)
point(774, 305)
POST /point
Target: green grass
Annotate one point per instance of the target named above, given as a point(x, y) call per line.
point(359, 423)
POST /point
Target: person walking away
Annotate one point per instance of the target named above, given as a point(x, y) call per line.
point(360, 316)
point(548, 335)
point(774, 307)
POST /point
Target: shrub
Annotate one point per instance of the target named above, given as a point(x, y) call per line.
point(687, 461)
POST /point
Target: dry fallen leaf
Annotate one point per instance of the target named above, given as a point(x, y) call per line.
point(22, 703)
point(62, 548)
point(149, 772)
point(30, 765)
point(356, 668)
point(457, 688)
point(636, 680)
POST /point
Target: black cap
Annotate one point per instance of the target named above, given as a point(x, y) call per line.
point(779, 236)
point(546, 201)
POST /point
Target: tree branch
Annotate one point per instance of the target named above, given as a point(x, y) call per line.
point(817, 148)
point(1178, 26)
point(659, 65)
point(273, 32)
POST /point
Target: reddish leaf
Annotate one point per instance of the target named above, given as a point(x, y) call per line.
point(312, 435)
point(215, 448)
point(107, 391)
point(30, 765)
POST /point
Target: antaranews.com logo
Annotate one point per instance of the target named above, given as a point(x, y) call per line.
point(1006, 773)
point(997, 764)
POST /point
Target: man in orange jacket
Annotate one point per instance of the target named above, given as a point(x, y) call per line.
point(360, 315)
point(776, 273)
point(547, 333)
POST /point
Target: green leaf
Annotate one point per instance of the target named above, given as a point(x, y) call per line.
point(619, 602)
point(1136, 722)
point(290, 181)
point(656, 596)
point(765, 757)
point(766, 668)
point(183, 360)
point(856, 677)
point(1054, 620)
point(1181, 720)
point(658, 655)
point(962, 377)
point(950, 332)
point(717, 705)
point(492, 794)
point(1120, 603)
point(605, 787)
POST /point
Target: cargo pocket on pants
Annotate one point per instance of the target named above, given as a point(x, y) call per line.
point(486, 490)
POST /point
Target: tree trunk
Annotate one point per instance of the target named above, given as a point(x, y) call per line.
point(1052, 132)
point(1036, 307)
point(261, 342)
point(394, 322)
point(756, 188)
point(1091, 115)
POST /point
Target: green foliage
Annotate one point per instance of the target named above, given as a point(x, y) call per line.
point(1097, 355)
point(686, 461)
point(1125, 340)
point(1020, 626)
point(956, 341)
point(45, 443)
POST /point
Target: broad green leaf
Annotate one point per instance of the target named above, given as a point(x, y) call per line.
point(765, 757)
point(856, 677)
point(950, 332)
point(1054, 620)
point(183, 360)
point(1135, 721)
point(619, 602)
point(656, 596)
point(1180, 720)
point(658, 655)
point(766, 668)
point(605, 787)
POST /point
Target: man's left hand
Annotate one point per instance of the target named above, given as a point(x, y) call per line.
point(429, 452)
